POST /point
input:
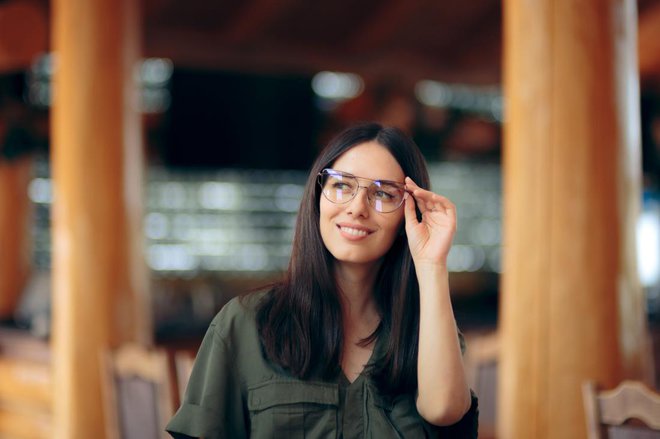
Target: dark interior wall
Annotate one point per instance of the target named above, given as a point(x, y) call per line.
point(221, 119)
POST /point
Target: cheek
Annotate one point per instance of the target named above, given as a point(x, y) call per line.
point(395, 224)
point(327, 211)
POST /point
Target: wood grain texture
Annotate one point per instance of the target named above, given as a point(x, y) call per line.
point(25, 382)
point(571, 307)
point(24, 424)
point(15, 242)
point(99, 277)
point(25, 386)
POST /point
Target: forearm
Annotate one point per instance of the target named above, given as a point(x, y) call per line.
point(443, 393)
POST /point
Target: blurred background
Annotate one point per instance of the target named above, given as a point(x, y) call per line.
point(238, 98)
point(235, 101)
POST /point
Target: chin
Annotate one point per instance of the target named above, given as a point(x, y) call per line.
point(349, 257)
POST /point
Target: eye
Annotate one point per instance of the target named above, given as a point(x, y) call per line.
point(382, 195)
point(386, 193)
point(341, 185)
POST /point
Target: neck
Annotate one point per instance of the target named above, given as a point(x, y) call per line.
point(356, 290)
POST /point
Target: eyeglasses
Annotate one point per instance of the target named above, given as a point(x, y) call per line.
point(340, 188)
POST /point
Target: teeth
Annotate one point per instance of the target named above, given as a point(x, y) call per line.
point(354, 232)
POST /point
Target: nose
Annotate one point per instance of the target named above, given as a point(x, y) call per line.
point(359, 206)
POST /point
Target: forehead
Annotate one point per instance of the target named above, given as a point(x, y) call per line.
point(370, 160)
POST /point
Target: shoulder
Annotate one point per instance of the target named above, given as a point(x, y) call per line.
point(233, 339)
point(235, 326)
point(237, 317)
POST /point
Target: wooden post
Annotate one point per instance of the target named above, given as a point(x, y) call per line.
point(15, 225)
point(99, 277)
point(17, 50)
point(572, 308)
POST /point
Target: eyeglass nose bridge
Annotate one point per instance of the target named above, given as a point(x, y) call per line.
point(357, 189)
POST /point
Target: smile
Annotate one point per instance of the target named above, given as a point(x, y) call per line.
point(354, 232)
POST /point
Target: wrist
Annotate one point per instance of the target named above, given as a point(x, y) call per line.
point(431, 267)
point(429, 276)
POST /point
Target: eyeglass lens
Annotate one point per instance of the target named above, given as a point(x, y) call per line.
point(340, 188)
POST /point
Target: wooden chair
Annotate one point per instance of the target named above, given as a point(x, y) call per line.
point(481, 358)
point(617, 413)
point(183, 364)
point(137, 392)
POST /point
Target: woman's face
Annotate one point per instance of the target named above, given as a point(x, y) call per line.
point(354, 232)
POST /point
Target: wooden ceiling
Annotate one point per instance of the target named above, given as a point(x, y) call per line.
point(457, 41)
point(450, 40)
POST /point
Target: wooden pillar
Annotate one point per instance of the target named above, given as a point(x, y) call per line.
point(572, 307)
point(15, 223)
point(99, 276)
point(17, 50)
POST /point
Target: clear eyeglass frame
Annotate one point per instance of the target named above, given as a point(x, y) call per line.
point(384, 196)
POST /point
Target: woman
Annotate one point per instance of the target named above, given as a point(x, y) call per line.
point(359, 339)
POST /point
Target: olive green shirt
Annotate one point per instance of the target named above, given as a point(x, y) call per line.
point(235, 392)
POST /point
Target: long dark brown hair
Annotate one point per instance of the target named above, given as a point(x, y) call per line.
point(300, 320)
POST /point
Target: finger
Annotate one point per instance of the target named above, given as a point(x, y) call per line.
point(440, 202)
point(409, 180)
point(433, 200)
point(409, 211)
point(428, 201)
point(411, 185)
point(434, 207)
point(448, 207)
point(418, 191)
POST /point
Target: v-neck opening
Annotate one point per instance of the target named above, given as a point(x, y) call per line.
point(372, 356)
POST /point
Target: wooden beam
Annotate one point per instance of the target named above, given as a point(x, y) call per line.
point(477, 43)
point(15, 232)
point(253, 16)
point(191, 49)
point(572, 308)
point(100, 293)
point(649, 43)
point(383, 25)
point(23, 35)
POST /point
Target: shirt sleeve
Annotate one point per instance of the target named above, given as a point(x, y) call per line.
point(213, 404)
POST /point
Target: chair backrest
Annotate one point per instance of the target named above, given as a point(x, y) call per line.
point(183, 362)
point(618, 412)
point(481, 359)
point(137, 392)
